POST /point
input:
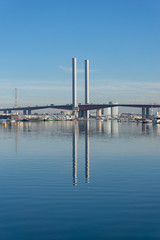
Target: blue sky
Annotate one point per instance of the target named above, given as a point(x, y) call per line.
point(38, 39)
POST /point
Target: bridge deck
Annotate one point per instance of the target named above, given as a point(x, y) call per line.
point(81, 107)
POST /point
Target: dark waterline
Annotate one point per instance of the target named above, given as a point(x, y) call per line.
point(79, 180)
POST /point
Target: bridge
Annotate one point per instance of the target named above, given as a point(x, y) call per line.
point(81, 107)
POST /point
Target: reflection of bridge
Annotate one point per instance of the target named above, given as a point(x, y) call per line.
point(82, 107)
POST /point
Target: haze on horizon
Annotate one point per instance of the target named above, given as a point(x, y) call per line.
point(39, 38)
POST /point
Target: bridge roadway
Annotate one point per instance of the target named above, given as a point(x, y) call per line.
point(81, 107)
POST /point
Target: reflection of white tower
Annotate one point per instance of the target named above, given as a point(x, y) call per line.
point(114, 128)
point(75, 133)
point(87, 152)
point(111, 128)
point(108, 130)
point(99, 127)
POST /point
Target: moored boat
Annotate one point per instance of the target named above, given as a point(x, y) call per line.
point(156, 118)
point(147, 120)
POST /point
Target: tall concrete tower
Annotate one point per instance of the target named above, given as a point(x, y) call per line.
point(87, 85)
point(74, 82)
point(15, 98)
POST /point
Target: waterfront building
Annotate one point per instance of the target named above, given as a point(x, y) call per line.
point(113, 111)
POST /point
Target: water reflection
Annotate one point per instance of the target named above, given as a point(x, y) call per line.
point(156, 129)
point(120, 161)
point(85, 129)
point(109, 128)
point(87, 152)
point(75, 135)
point(149, 129)
point(75, 132)
point(16, 138)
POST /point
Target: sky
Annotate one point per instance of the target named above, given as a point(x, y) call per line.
point(39, 38)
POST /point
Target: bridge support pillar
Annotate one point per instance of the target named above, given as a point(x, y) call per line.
point(86, 114)
point(147, 113)
point(29, 111)
point(5, 111)
point(9, 111)
point(82, 114)
point(103, 111)
point(143, 112)
point(24, 112)
point(98, 112)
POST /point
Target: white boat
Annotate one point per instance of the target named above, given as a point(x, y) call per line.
point(156, 118)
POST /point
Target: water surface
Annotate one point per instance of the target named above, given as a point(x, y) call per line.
point(79, 180)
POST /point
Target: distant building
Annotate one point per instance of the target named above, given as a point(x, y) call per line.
point(108, 112)
point(112, 111)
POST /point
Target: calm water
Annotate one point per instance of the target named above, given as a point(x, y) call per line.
point(79, 180)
